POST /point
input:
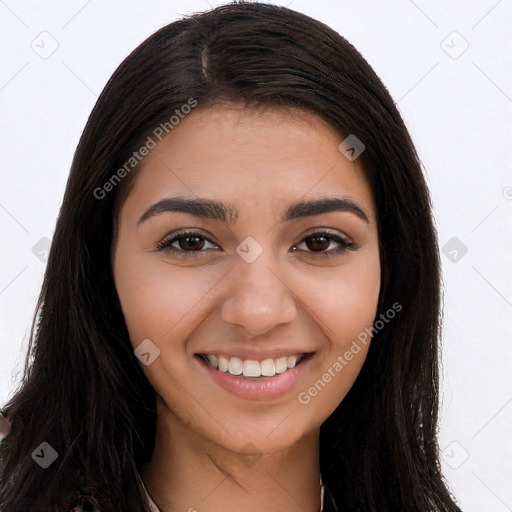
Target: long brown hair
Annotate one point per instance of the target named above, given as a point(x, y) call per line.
point(83, 390)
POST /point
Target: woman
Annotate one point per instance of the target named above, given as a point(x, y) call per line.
point(241, 306)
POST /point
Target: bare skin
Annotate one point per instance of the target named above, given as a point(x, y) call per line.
point(5, 427)
point(216, 451)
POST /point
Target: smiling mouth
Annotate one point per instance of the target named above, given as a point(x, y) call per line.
point(253, 369)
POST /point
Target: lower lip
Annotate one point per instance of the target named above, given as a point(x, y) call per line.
point(264, 389)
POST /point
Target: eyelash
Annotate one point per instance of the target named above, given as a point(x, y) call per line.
point(165, 244)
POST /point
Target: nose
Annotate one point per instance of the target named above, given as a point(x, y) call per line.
point(259, 299)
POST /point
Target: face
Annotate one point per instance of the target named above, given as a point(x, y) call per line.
point(256, 274)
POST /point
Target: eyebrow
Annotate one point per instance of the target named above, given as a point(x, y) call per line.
point(228, 213)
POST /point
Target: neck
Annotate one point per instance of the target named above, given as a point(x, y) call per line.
point(189, 472)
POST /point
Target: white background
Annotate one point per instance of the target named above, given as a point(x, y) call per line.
point(456, 102)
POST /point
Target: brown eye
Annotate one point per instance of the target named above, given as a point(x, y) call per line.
point(318, 243)
point(191, 242)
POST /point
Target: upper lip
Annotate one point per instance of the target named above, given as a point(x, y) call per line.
point(254, 354)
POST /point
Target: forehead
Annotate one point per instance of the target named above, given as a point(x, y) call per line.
point(250, 157)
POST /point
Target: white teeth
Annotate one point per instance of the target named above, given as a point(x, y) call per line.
point(223, 364)
point(291, 361)
point(235, 366)
point(281, 366)
point(268, 368)
point(251, 368)
point(214, 361)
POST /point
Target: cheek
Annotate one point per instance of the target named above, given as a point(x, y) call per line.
point(345, 305)
point(156, 298)
point(344, 301)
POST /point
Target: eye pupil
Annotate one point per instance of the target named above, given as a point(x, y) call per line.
point(191, 242)
point(324, 244)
